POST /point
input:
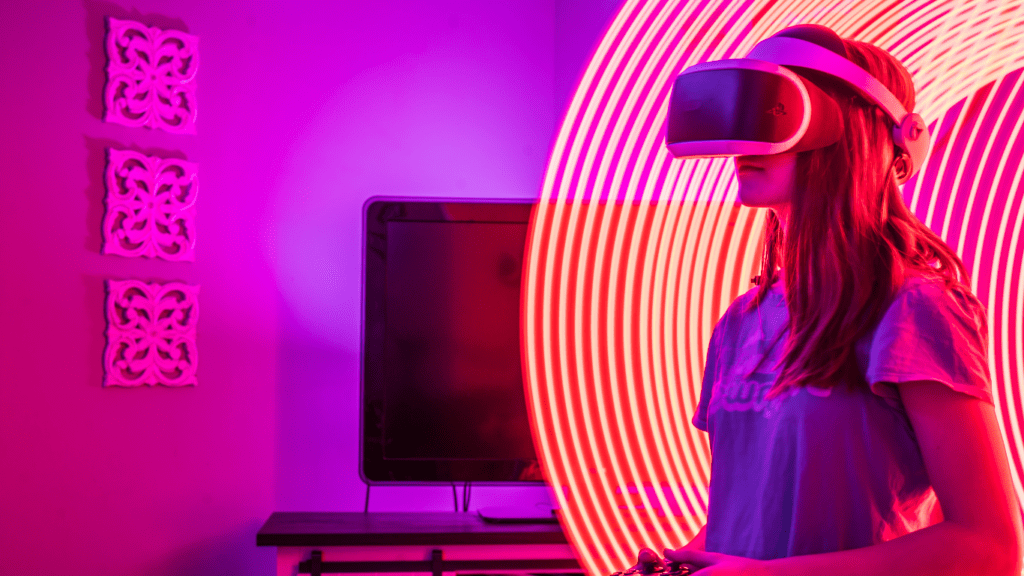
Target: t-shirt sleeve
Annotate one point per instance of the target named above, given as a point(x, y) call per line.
point(931, 333)
point(700, 417)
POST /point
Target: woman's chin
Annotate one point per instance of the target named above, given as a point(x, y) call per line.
point(755, 202)
point(761, 201)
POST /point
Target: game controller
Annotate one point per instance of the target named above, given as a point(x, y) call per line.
point(648, 563)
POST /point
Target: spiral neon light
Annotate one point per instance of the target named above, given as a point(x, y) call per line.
point(633, 256)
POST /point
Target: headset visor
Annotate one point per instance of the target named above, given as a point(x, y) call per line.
point(741, 107)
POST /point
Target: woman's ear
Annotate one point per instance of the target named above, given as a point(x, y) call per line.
point(901, 167)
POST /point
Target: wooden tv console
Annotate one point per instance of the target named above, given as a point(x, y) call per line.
point(439, 543)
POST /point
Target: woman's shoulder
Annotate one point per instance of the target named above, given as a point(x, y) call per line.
point(931, 294)
point(934, 329)
point(740, 308)
point(933, 287)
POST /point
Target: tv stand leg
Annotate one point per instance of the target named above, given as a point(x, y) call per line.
point(315, 557)
point(435, 562)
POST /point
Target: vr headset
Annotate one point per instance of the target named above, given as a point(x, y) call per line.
point(766, 104)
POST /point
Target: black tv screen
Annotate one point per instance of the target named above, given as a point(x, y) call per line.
point(442, 390)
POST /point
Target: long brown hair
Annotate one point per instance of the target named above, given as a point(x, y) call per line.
point(851, 240)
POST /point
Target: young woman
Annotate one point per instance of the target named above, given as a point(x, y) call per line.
point(847, 396)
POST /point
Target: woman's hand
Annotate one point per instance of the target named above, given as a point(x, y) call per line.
point(713, 564)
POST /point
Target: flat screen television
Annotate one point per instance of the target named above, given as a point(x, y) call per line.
point(443, 398)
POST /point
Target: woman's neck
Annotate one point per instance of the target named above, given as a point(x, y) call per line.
point(782, 214)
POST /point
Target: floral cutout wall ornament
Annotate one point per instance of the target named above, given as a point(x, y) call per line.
point(151, 206)
point(151, 77)
point(151, 334)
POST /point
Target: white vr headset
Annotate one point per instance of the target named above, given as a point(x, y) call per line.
point(762, 104)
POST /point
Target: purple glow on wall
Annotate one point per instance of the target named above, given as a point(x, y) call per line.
point(307, 111)
point(457, 112)
point(462, 135)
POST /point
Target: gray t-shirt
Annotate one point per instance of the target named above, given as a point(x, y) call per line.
point(818, 470)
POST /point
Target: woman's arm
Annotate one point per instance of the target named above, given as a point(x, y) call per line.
point(966, 461)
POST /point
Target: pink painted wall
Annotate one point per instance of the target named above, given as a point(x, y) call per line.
point(305, 111)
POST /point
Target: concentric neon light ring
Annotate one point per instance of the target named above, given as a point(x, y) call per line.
point(633, 256)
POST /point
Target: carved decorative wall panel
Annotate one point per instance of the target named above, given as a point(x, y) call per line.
point(151, 77)
point(151, 334)
point(151, 206)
